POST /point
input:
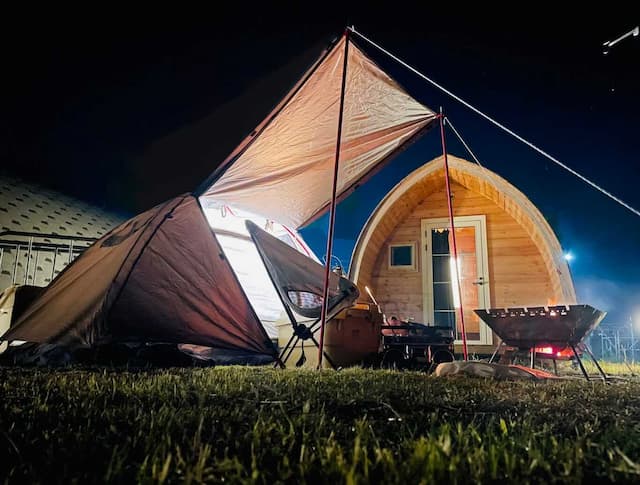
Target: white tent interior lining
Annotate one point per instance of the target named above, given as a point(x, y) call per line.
point(229, 226)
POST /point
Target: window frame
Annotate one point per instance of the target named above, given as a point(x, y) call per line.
point(403, 267)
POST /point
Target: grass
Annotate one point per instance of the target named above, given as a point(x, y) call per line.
point(256, 425)
point(614, 368)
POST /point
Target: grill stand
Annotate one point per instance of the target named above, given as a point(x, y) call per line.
point(584, 346)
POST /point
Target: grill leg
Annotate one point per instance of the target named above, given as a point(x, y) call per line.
point(495, 352)
point(584, 371)
point(533, 357)
point(595, 361)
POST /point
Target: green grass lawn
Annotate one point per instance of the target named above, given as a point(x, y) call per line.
point(256, 425)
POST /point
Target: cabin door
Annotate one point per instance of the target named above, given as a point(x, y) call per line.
point(441, 300)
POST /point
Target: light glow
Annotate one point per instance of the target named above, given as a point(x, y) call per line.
point(554, 352)
point(454, 280)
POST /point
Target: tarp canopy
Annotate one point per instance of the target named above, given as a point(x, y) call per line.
point(163, 276)
point(284, 171)
point(159, 277)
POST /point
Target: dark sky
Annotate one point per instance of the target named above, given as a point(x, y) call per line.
point(90, 98)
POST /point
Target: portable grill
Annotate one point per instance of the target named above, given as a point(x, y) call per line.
point(545, 330)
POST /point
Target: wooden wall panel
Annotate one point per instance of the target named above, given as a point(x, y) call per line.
point(526, 266)
point(517, 272)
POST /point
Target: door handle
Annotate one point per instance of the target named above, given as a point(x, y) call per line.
point(480, 281)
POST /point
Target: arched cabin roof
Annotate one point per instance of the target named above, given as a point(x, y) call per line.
point(415, 187)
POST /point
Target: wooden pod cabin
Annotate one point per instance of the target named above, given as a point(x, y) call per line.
point(507, 252)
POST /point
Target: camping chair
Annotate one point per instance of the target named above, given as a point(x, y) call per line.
point(299, 281)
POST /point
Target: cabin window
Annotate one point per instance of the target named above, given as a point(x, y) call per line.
point(402, 256)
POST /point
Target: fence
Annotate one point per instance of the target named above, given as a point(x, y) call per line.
point(616, 343)
point(28, 258)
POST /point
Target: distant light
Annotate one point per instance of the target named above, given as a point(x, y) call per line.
point(606, 46)
point(568, 256)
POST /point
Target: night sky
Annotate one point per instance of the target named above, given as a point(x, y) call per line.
point(125, 109)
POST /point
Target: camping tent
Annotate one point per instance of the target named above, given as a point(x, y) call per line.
point(163, 275)
point(159, 277)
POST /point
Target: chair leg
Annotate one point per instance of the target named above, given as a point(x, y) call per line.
point(291, 349)
point(281, 361)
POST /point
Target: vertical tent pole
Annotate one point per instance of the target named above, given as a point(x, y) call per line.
point(453, 234)
point(332, 211)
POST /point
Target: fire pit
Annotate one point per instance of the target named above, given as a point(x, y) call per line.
point(537, 328)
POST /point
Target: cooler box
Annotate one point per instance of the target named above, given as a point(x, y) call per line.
point(354, 335)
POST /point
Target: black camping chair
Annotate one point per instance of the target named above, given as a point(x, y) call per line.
point(311, 308)
point(299, 282)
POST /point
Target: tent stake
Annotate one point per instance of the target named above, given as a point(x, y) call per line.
point(332, 211)
point(453, 235)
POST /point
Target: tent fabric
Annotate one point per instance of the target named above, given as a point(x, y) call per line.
point(14, 300)
point(285, 172)
point(299, 279)
point(222, 356)
point(159, 277)
point(71, 309)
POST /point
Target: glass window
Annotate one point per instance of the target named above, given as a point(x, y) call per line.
point(401, 256)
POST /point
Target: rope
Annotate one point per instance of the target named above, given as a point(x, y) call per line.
point(488, 172)
point(498, 124)
point(448, 122)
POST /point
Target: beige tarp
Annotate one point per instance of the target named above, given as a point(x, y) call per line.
point(285, 173)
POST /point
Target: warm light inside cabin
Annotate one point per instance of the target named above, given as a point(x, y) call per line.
point(454, 280)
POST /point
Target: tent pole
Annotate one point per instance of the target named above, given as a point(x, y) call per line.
point(453, 235)
point(332, 211)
